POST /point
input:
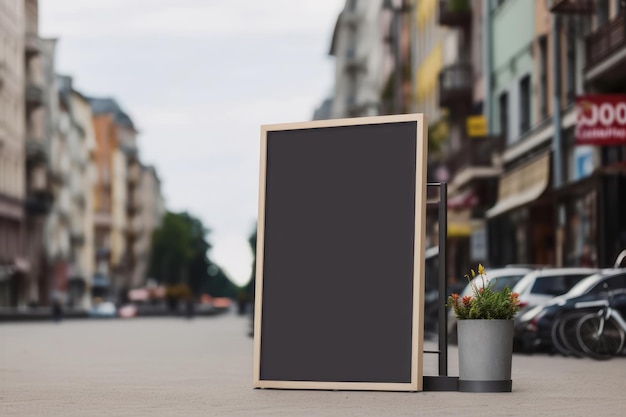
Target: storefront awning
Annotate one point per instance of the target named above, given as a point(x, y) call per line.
point(522, 185)
point(463, 200)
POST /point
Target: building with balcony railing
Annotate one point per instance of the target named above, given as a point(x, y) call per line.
point(455, 12)
point(69, 237)
point(359, 48)
point(594, 174)
point(456, 85)
point(39, 104)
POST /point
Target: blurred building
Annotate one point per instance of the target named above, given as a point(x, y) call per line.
point(522, 221)
point(591, 193)
point(14, 267)
point(427, 60)
point(72, 215)
point(359, 47)
point(151, 200)
point(395, 21)
point(323, 111)
point(469, 151)
point(128, 201)
point(499, 81)
point(40, 99)
point(508, 87)
point(54, 262)
point(110, 196)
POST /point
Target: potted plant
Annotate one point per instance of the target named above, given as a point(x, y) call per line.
point(485, 335)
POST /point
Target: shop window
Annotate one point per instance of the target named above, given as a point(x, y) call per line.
point(524, 107)
point(602, 9)
point(580, 244)
point(543, 76)
point(503, 104)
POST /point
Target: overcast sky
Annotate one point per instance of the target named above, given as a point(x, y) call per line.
point(198, 78)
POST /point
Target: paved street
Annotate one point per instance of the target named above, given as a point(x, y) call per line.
point(173, 367)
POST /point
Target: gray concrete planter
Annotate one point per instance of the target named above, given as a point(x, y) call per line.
point(485, 355)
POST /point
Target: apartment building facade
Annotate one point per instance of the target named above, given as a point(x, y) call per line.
point(39, 114)
point(591, 198)
point(360, 50)
point(125, 199)
point(559, 197)
point(106, 148)
point(500, 82)
point(70, 232)
point(14, 267)
point(524, 191)
point(148, 194)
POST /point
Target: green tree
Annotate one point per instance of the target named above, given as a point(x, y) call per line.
point(171, 250)
point(180, 257)
point(219, 285)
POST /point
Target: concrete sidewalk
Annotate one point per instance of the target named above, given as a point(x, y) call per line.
point(203, 367)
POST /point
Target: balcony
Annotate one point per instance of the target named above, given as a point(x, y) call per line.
point(133, 206)
point(572, 7)
point(77, 238)
point(38, 203)
point(607, 42)
point(351, 17)
point(474, 153)
point(102, 219)
point(456, 13)
point(354, 65)
point(455, 85)
point(135, 227)
point(36, 150)
point(31, 45)
point(33, 95)
point(134, 173)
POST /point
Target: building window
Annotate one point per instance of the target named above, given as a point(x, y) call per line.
point(524, 108)
point(543, 76)
point(503, 104)
point(602, 9)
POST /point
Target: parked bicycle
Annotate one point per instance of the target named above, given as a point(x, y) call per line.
point(594, 329)
point(601, 334)
point(564, 338)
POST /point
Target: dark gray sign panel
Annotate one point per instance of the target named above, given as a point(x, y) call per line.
point(340, 254)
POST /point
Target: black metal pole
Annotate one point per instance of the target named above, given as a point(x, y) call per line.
point(443, 291)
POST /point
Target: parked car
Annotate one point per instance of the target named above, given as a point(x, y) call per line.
point(533, 328)
point(508, 276)
point(103, 309)
point(540, 285)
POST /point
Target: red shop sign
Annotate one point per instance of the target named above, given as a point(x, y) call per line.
point(601, 120)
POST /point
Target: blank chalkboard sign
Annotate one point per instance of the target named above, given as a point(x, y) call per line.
point(340, 254)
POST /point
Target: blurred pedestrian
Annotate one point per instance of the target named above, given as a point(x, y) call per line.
point(57, 310)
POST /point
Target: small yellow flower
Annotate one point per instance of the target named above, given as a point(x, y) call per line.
point(481, 269)
point(473, 273)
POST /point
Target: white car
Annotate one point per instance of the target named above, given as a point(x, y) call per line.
point(502, 276)
point(104, 309)
point(541, 285)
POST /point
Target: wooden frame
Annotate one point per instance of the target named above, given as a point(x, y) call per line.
point(300, 324)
